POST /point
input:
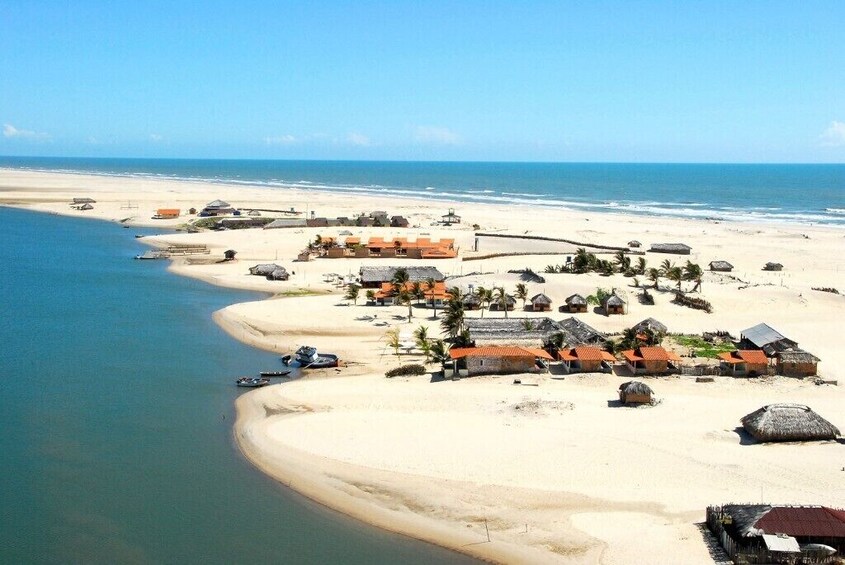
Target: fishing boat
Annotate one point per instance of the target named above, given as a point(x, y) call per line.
point(152, 254)
point(308, 358)
point(252, 381)
point(274, 373)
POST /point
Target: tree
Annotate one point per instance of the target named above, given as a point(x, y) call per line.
point(405, 296)
point(352, 292)
point(599, 297)
point(421, 336)
point(665, 267)
point(527, 325)
point(485, 296)
point(675, 274)
point(417, 291)
point(521, 293)
point(641, 266)
point(622, 261)
point(693, 272)
point(430, 285)
point(392, 338)
point(581, 262)
point(452, 321)
point(654, 276)
point(400, 289)
point(371, 295)
point(501, 298)
point(439, 353)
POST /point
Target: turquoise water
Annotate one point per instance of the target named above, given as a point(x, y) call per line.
point(785, 193)
point(116, 411)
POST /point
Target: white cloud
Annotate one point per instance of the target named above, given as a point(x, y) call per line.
point(155, 137)
point(280, 140)
point(438, 135)
point(834, 135)
point(358, 139)
point(11, 131)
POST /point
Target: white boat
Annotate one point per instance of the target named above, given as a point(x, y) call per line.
point(252, 381)
point(308, 358)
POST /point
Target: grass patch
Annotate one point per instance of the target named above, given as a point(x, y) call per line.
point(700, 347)
point(294, 292)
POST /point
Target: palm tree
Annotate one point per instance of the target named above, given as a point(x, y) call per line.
point(641, 266)
point(452, 322)
point(665, 267)
point(405, 296)
point(430, 287)
point(352, 292)
point(400, 289)
point(439, 353)
point(521, 293)
point(485, 296)
point(654, 276)
point(693, 272)
point(581, 262)
point(392, 338)
point(622, 261)
point(675, 274)
point(421, 335)
point(417, 291)
point(371, 295)
point(501, 298)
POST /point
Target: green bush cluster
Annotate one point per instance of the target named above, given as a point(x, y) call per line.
point(406, 370)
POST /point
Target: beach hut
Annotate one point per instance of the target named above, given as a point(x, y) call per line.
point(766, 338)
point(541, 303)
point(510, 304)
point(166, 213)
point(84, 200)
point(721, 266)
point(675, 248)
point(216, 208)
point(635, 392)
point(586, 359)
point(634, 244)
point(85, 206)
point(654, 326)
point(743, 363)
point(574, 304)
point(613, 305)
point(772, 267)
point(788, 422)
point(280, 274)
point(264, 269)
point(450, 217)
point(229, 255)
point(575, 332)
point(796, 363)
point(501, 360)
point(650, 360)
point(471, 301)
point(398, 222)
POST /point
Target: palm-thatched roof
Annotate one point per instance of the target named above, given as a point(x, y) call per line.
point(613, 300)
point(651, 324)
point(576, 300)
point(264, 269)
point(635, 387)
point(575, 332)
point(540, 299)
point(788, 422)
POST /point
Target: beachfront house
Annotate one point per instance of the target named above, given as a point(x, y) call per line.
point(656, 327)
point(721, 266)
point(574, 304)
point(768, 533)
point(398, 222)
point(772, 267)
point(765, 338)
point(450, 217)
point(586, 359)
point(509, 304)
point(540, 303)
point(575, 332)
point(216, 208)
point(796, 363)
point(436, 296)
point(743, 363)
point(788, 422)
point(529, 332)
point(372, 277)
point(635, 392)
point(651, 361)
point(675, 248)
point(501, 360)
point(166, 214)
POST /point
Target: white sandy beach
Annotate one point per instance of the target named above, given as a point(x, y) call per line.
point(552, 472)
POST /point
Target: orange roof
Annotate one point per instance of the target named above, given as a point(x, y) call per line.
point(510, 351)
point(168, 211)
point(586, 354)
point(650, 354)
point(352, 240)
point(753, 356)
point(387, 290)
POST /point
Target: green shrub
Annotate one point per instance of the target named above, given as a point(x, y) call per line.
point(406, 370)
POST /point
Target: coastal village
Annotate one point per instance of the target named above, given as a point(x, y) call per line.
point(556, 324)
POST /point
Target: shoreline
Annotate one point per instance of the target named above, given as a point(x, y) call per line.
point(336, 471)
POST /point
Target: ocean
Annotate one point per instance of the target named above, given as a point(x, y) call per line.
point(810, 194)
point(117, 409)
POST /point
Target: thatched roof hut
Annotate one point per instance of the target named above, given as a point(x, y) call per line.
point(788, 422)
point(264, 269)
point(635, 392)
point(770, 266)
point(651, 324)
point(721, 266)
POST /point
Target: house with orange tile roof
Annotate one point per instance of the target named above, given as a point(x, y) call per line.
point(586, 360)
point(500, 360)
point(421, 248)
point(743, 363)
point(650, 360)
point(387, 294)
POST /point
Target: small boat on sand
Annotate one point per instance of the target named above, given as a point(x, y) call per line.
point(274, 373)
point(307, 357)
point(252, 381)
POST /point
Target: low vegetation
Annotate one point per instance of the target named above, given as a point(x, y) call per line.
point(702, 347)
point(406, 370)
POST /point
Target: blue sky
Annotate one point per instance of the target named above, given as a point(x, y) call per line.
point(523, 81)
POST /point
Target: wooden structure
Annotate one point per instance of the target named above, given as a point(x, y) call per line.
point(743, 363)
point(575, 303)
point(216, 208)
point(721, 266)
point(229, 255)
point(651, 360)
point(635, 392)
point(575, 332)
point(772, 267)
point(372, 276)
point(271, 271)
point(166, 213)
point(796, 363)
point(436, 296)
point(766, 338)
point(765, 533)
point(471, 301)
point(675, 248)
point(503, 360)
point(586, 359)
point(613, 305)
point(509, 305)
point(634, 244)
point(788, 422)
point(541, 303)
point(450, 217)
point(654, 326)
point(398, 222)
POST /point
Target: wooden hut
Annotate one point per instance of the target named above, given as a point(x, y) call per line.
point(654, 326)
point(510, 304)
point(575, 303)
point(675, 248)
point(264, 269)
point(634, 244)
point(166, 213)
point(635, 392)
point(772, 267)
point(541, 303)
point(743, 363)
point(471, 301)
point(613, 305)
point(279, 274)
point(586, 359)
point(796, 363)
point(765, 337)
point(450, 217)
point(788, 422)
point(721, 266)
point(229, 255)
point(505, 360)
point(650, 360)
